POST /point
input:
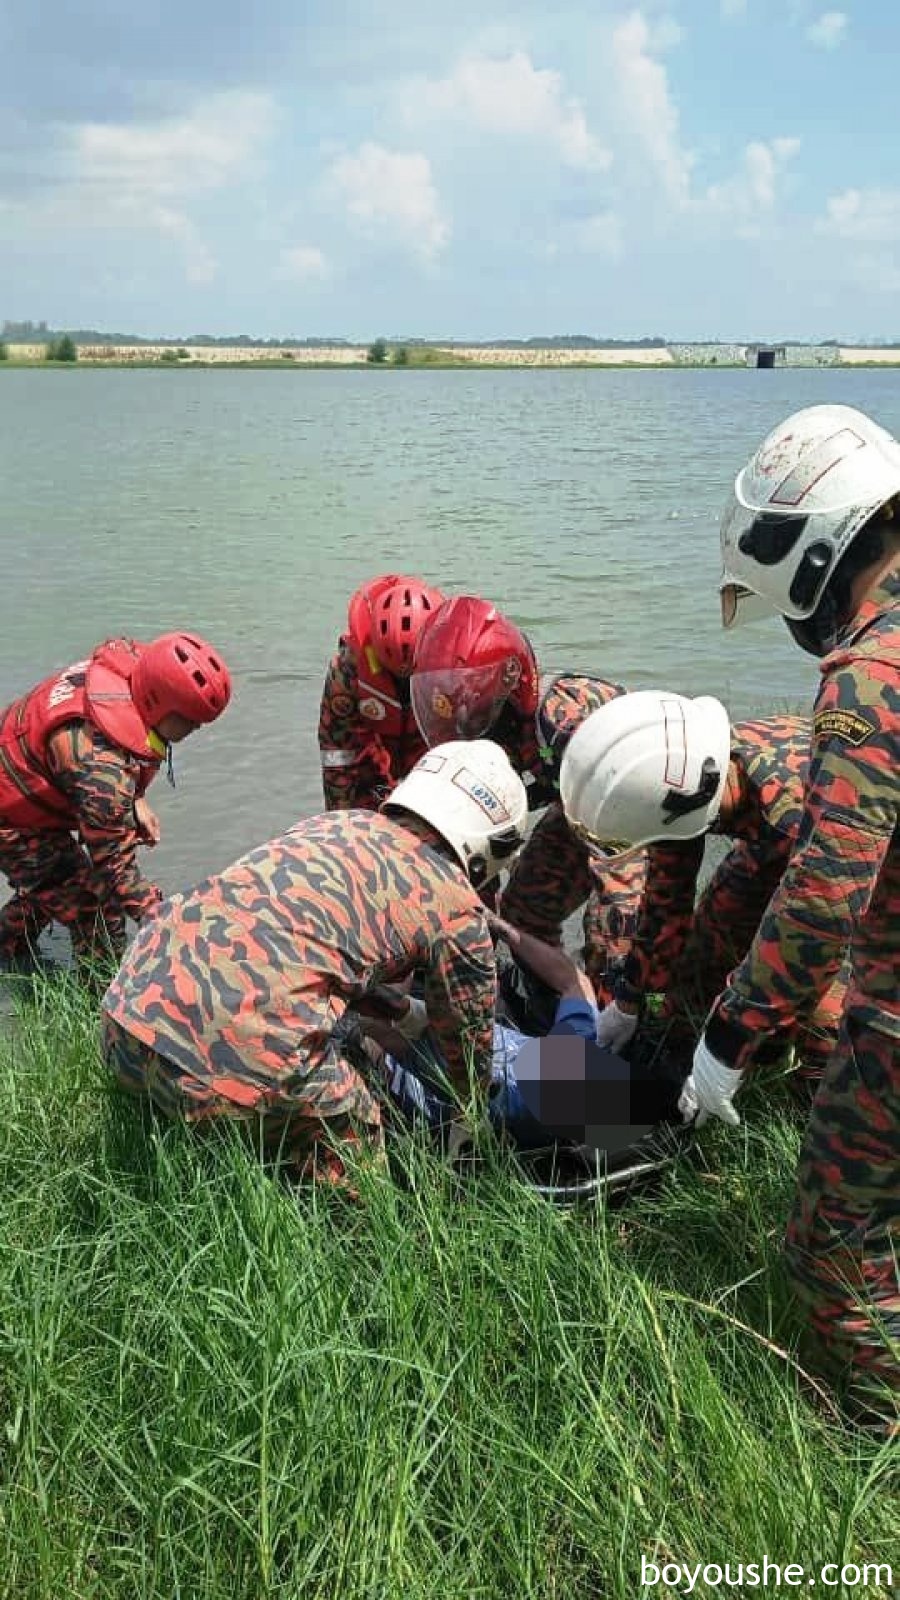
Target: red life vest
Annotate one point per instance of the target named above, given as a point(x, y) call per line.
point(95, 691)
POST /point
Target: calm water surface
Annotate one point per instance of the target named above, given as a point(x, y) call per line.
point(248, 505)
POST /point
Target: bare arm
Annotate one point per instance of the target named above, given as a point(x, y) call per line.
point(547, 961)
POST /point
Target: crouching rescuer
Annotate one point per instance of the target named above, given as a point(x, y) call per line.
point(229, 1004)
point(77, 754)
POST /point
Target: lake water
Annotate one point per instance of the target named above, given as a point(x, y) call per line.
point(248, 505)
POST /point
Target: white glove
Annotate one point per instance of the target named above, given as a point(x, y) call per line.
point(710, 1089)
point(414, 1021)
point(615, 1027)
point(460, 1142)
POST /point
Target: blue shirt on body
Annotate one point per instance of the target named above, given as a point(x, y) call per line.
point(506, 1107)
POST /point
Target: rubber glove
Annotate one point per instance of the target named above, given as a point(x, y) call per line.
point(616, 1027)
point(710, 1089)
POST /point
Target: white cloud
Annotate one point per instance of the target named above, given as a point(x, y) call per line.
point(828, 30)
point(143, 177)
point(391, 190)
point(643, 89)
point(748, 199)
point(178, 156)
point(732, 8)
point(303, 263)
point(871, 216)
point(664, 35)
point(510, 97)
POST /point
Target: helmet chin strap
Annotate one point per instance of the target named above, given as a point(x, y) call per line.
point(819, 634)
point(164, 750)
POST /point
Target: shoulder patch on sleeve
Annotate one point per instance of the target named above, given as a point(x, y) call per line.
point(850, 726)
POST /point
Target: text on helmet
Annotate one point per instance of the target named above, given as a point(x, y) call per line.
point(477, 790)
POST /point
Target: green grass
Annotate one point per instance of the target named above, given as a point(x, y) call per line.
point(212, 1386)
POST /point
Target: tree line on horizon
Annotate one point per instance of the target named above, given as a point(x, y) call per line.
point(28, 332)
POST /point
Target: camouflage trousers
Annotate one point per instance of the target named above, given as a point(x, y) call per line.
point(726, 918)
point(554, 876)
point(51, 875)
point(843, 1237)
point(331, 1109)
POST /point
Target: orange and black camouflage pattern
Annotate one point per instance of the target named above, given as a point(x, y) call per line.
point(842, 884)
point(240, 984)
point(310, 1146)
point(843, 1237)
point(685, 947)
point(556, 873)
point(90, 883)
point(360, 767)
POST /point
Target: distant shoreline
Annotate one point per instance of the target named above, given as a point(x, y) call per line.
point(418, 358)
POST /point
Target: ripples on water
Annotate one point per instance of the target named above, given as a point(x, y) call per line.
point(248, 505)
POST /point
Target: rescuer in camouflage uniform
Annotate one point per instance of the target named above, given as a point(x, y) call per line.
point(474, 670)
point(368, 738)
point(682, 948)
point(76, 756)
point(813, 532)
point(556, 872)
point(227, 1003)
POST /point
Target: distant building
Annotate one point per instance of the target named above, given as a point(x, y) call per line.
point(766, 355)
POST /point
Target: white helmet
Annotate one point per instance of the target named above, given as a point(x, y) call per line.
point(646, 767)
point(470, 794)
point(814, 482)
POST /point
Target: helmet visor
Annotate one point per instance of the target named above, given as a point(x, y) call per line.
point(457, 703)
point(740, 605)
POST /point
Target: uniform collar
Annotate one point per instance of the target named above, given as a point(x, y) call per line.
point(883, 597)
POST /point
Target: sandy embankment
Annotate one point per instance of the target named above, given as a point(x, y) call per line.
point(343, 355)
point(355, 355)
point(855, 356)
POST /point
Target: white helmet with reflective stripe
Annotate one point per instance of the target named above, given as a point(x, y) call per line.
point(797, 506)
point(468, 792)
point(649, 766)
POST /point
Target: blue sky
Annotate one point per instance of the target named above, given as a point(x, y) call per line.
point(692, 168)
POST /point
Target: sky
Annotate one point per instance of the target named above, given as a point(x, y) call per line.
point(695, 169)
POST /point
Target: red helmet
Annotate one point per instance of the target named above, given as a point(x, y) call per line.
point(391, 611)
point(470, 662)
point(179, 673)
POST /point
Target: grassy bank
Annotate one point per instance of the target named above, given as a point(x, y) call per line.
point(211, 1387)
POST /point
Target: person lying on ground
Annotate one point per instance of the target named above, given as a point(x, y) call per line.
point(525, 1106)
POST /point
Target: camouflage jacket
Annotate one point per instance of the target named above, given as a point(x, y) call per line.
point(762, 806)
point(246, 976)
point(536, 748)
point(360, 765)
point(101, 781)
point(843, 880)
